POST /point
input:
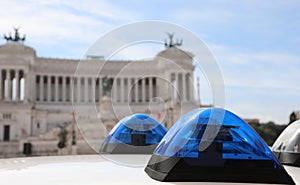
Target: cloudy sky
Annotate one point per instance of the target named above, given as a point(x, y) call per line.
point(256, 43)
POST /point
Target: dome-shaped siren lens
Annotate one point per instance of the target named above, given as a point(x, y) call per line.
point(214, 144)
point(135, 134)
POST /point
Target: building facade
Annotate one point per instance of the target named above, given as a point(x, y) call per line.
point(40, 96)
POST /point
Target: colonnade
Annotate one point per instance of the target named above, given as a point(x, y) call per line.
point(50, 88)
point(12, 85)
point(181, 87)
point(134, 89)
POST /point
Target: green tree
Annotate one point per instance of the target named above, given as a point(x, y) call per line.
point(268, 131)
point(293, 117)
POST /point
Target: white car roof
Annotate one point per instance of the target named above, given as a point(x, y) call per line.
point(87, 170)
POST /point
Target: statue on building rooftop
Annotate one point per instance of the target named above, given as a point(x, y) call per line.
point(16, 38)
point(171, 43)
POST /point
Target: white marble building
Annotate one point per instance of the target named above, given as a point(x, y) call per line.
point(36, 94)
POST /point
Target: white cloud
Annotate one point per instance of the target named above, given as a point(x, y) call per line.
point(258, 69)
point(57, 21)
point(262, 85)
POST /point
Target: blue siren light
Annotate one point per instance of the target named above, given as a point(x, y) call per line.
point(287, 146)
point(135, 134)
point(214, 144)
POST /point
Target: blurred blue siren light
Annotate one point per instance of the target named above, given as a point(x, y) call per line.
point(287, 146)
point(135, 134)
point(214, 144)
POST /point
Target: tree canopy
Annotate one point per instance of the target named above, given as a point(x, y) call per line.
point(268, 131)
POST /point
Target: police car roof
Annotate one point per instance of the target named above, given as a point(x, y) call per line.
point(86, 169)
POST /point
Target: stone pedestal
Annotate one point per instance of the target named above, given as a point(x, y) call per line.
point(62, 151)
point(106, 113)
point(73, 150)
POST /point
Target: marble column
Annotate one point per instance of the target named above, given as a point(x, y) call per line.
point(150, 88)
point(128, 94)
point(147, 90)
point(49, 88)
point(93, 92)
point(41, 88)
point(56, 88)
point(63, 88)
point(1, 85)
point(78, 89)
point(9, 85)
point(27, 86)
point(143, 90)
point(187, 87)
point(100, 89)
point(184, 87)
point(136, 88)
point(115, 89)
point(17, 85)
point(71, 89)
point(176, 89)
point(191, 86)
point(86, 89)
point(122, 90)
point(180, 86)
